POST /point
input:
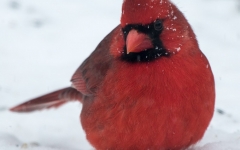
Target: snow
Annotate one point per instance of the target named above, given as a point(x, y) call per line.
point(43, 42)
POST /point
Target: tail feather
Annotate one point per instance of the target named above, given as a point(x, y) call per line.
point(54, 99)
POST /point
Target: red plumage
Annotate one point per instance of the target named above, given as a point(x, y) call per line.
point(160, 97)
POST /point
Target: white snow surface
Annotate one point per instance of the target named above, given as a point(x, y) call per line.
point(42, 42)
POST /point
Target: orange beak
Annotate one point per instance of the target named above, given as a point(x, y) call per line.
point(137, 42)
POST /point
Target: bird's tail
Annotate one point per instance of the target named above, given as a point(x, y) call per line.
point(54, 99)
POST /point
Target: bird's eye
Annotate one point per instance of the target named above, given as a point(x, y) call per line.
point(158, 25)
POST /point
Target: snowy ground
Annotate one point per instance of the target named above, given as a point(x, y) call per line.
point(42, 42)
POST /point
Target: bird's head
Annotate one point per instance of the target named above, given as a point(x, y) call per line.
point(151, 29)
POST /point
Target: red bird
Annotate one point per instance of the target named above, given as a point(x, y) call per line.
point(147, 85)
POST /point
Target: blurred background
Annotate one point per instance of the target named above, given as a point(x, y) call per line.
point(43, 42)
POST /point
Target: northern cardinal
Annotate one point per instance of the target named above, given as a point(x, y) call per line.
point(147, 85)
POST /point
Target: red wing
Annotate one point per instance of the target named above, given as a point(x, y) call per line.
point(92, 71)
point(54, 99)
